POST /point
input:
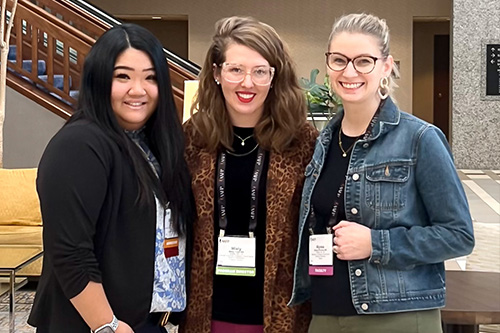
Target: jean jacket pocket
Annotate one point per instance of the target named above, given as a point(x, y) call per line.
point(385, 186)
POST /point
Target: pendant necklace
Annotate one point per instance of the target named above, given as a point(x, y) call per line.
point(243, 140)
point(345, 152)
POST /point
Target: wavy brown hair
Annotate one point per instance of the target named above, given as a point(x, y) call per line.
point(284, 108)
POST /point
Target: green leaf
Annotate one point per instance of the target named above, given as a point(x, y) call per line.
point(321, 100)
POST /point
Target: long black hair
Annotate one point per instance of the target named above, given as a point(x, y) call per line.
point(163, 129)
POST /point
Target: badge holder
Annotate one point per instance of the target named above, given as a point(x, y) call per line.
point(171, 242)
point(236, 255)
point(321, 255)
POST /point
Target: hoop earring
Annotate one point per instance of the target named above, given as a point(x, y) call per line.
point(383, 89)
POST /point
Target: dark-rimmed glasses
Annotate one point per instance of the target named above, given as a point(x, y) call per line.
point(235, 73)
point(363, 64)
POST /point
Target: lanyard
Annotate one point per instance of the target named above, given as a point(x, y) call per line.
point(155, 166)
point(334, 214)
point(221, 186)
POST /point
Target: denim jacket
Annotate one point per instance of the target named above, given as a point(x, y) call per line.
point(401, 183)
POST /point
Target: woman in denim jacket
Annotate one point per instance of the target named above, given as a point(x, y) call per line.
point(382, 206)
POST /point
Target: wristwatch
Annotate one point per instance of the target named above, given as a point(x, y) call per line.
point(107, 328)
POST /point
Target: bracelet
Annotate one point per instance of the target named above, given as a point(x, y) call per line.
point(113, 325)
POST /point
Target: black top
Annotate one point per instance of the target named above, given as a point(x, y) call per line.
point(93, 230)
point(331, 295)
point(239, 299)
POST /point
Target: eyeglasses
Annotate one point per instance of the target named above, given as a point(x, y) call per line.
point(362, 64)
point(234, 73)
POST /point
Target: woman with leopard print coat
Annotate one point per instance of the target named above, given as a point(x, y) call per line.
point(247, 148)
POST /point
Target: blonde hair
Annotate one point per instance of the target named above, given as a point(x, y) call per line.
point(370, 25)
point(284, 108)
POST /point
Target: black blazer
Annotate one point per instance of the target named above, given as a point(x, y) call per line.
point(93, 230)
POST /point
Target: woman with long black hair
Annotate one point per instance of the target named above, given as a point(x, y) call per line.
point(115, 197)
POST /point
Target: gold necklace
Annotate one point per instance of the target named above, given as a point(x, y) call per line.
point(244, 154)
point(344, 152)
point(243, 140)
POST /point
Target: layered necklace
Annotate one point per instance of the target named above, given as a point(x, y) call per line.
point(243, 144)
point(244, 154)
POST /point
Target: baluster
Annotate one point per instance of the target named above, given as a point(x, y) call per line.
point(50, 60)
point(66, 68)
point(34, 51)
point(19, 42)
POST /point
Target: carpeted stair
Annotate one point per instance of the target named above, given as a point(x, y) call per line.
point(42, 74)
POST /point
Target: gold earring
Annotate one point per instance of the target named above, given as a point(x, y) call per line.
point(383, 89)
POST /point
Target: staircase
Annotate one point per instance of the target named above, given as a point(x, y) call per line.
point(49, 42)
point(58, 79)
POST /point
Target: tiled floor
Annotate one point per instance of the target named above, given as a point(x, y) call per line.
point(483, 192)
point(24, 299)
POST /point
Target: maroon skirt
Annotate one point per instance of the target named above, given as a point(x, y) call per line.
point(224, 327)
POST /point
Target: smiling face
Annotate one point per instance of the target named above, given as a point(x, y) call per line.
point(352, 87)
point(134, 91)
point(244, 100)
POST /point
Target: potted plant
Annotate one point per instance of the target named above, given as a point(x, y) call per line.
point(321, 101)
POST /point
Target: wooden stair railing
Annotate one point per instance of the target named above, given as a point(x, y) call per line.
point(61, 34)
point(39, 35)
point(177, 77)
point(81, 20)
point(75, 17)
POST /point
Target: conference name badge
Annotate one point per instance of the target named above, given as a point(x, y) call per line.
point(321, 255)
point(171, 241)
point(236, 256)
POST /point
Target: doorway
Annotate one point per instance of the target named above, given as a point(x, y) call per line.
point(431, 71)
point(441, 91)
point(171, 31)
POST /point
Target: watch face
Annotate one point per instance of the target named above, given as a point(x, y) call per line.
point(106, 329)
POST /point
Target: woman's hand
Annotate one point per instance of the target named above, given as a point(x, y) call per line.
point(123, 327)
point(93, 306)
point(352, 241)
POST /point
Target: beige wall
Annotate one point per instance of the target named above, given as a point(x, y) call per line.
point(304, 25)
point(28, 129)
point(423, 66)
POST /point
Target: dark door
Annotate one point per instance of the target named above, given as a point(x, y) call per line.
point(442, 83)
point(173, 34)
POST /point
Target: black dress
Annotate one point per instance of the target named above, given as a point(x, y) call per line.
point(230, 291)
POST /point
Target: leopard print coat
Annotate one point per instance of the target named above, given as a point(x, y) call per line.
point(284, 189)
